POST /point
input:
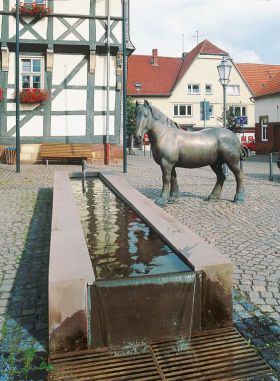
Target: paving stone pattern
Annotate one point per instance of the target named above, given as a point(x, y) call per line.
point(248, 234)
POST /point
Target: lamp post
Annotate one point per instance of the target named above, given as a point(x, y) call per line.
point(124, 84)
point(224, 69)
point(17, 91)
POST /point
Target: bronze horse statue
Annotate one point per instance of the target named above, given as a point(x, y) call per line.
point(173, 147)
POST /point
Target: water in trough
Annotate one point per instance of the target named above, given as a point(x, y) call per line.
point(120, 244)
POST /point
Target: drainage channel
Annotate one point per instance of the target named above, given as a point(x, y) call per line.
point(213, 355)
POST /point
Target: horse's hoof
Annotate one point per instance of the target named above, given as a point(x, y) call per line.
point(174, 195)
point(239, 198)
point(161, 201)
point(212, 198)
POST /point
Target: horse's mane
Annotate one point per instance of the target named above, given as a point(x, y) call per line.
point(158, 115)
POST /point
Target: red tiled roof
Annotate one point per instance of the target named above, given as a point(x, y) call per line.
point(154, 80)
point(205, 47)
point(258, 76)
point(271, 87)
point(160, 80)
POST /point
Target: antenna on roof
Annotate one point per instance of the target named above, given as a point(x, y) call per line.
point(197, 35)
point(183, 42)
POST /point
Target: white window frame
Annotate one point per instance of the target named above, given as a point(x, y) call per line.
point(211, 89)
point(31, 73)
point(43, 2)
point(178, 115)
point(241, 109)
point(191, 86)
point(264, 129)
point(233, 93)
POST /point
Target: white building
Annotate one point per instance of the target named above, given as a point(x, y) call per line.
point(65, 53)
point(177, 86)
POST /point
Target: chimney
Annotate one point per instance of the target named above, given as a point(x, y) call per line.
point(154, 60)
point(184, 55)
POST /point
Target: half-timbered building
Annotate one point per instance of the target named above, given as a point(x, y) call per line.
point(66, 52)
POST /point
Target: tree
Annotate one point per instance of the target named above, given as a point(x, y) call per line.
point(131, 122)
point(231, 121)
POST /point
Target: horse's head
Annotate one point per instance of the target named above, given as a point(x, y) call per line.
point(142, 116)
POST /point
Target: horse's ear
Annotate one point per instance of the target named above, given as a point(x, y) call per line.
point(137, 103)
point(146, 103)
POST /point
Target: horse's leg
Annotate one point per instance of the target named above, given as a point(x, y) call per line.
point(216, 192)
point(166, 169)
point(174, 192)
point(239, 177)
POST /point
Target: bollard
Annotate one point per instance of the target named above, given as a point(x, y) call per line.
point(270, 167)
point(84, 167)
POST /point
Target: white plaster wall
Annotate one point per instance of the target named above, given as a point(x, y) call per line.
point(1, 9)
point(72, 6)
point(99, 30)
point(100, 100)
point(70, 100)
point(101, 71)
point(34, 127)
point(58, 28)
point(269, 105)
point(83, 29)
point(11, 75)
point(117, 31)
point(100, 125)
point(40, 27)
point(68, 125)
point(115, 8)
point(63, 65)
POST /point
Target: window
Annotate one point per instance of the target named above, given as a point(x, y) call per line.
point(182, 110)
point(193, 89)
point(238, 110)
point(34, 1)
point(211, 111)
point(233, 90)
point(31, 73)
point(208, 89)
point(264, 128)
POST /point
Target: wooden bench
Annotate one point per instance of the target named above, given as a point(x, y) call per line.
point(65, 151)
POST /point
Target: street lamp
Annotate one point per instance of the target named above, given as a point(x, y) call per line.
point(224, 72)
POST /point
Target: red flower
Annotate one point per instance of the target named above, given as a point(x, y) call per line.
point(1, 94)
point(33, 9)
point(33, 95)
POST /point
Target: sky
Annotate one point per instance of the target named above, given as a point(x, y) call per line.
point(249, 30)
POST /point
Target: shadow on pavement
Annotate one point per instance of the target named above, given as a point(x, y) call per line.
point(26, 327)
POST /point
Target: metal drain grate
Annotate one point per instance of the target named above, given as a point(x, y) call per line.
point(214, 355)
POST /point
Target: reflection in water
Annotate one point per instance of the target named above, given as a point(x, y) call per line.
point(119, 243)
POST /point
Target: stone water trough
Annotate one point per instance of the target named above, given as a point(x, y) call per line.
point(115, 294)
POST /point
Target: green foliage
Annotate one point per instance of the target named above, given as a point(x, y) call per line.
point(19, 362)
point(131, 120)
point(231, 121)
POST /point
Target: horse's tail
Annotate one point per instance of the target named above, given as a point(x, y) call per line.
point(244, 153)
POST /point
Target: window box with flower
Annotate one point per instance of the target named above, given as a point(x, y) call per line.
point(1, 94)
point(33, 8)
point(33, 95)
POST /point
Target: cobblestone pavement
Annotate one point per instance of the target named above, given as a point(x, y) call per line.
point(248, 234)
